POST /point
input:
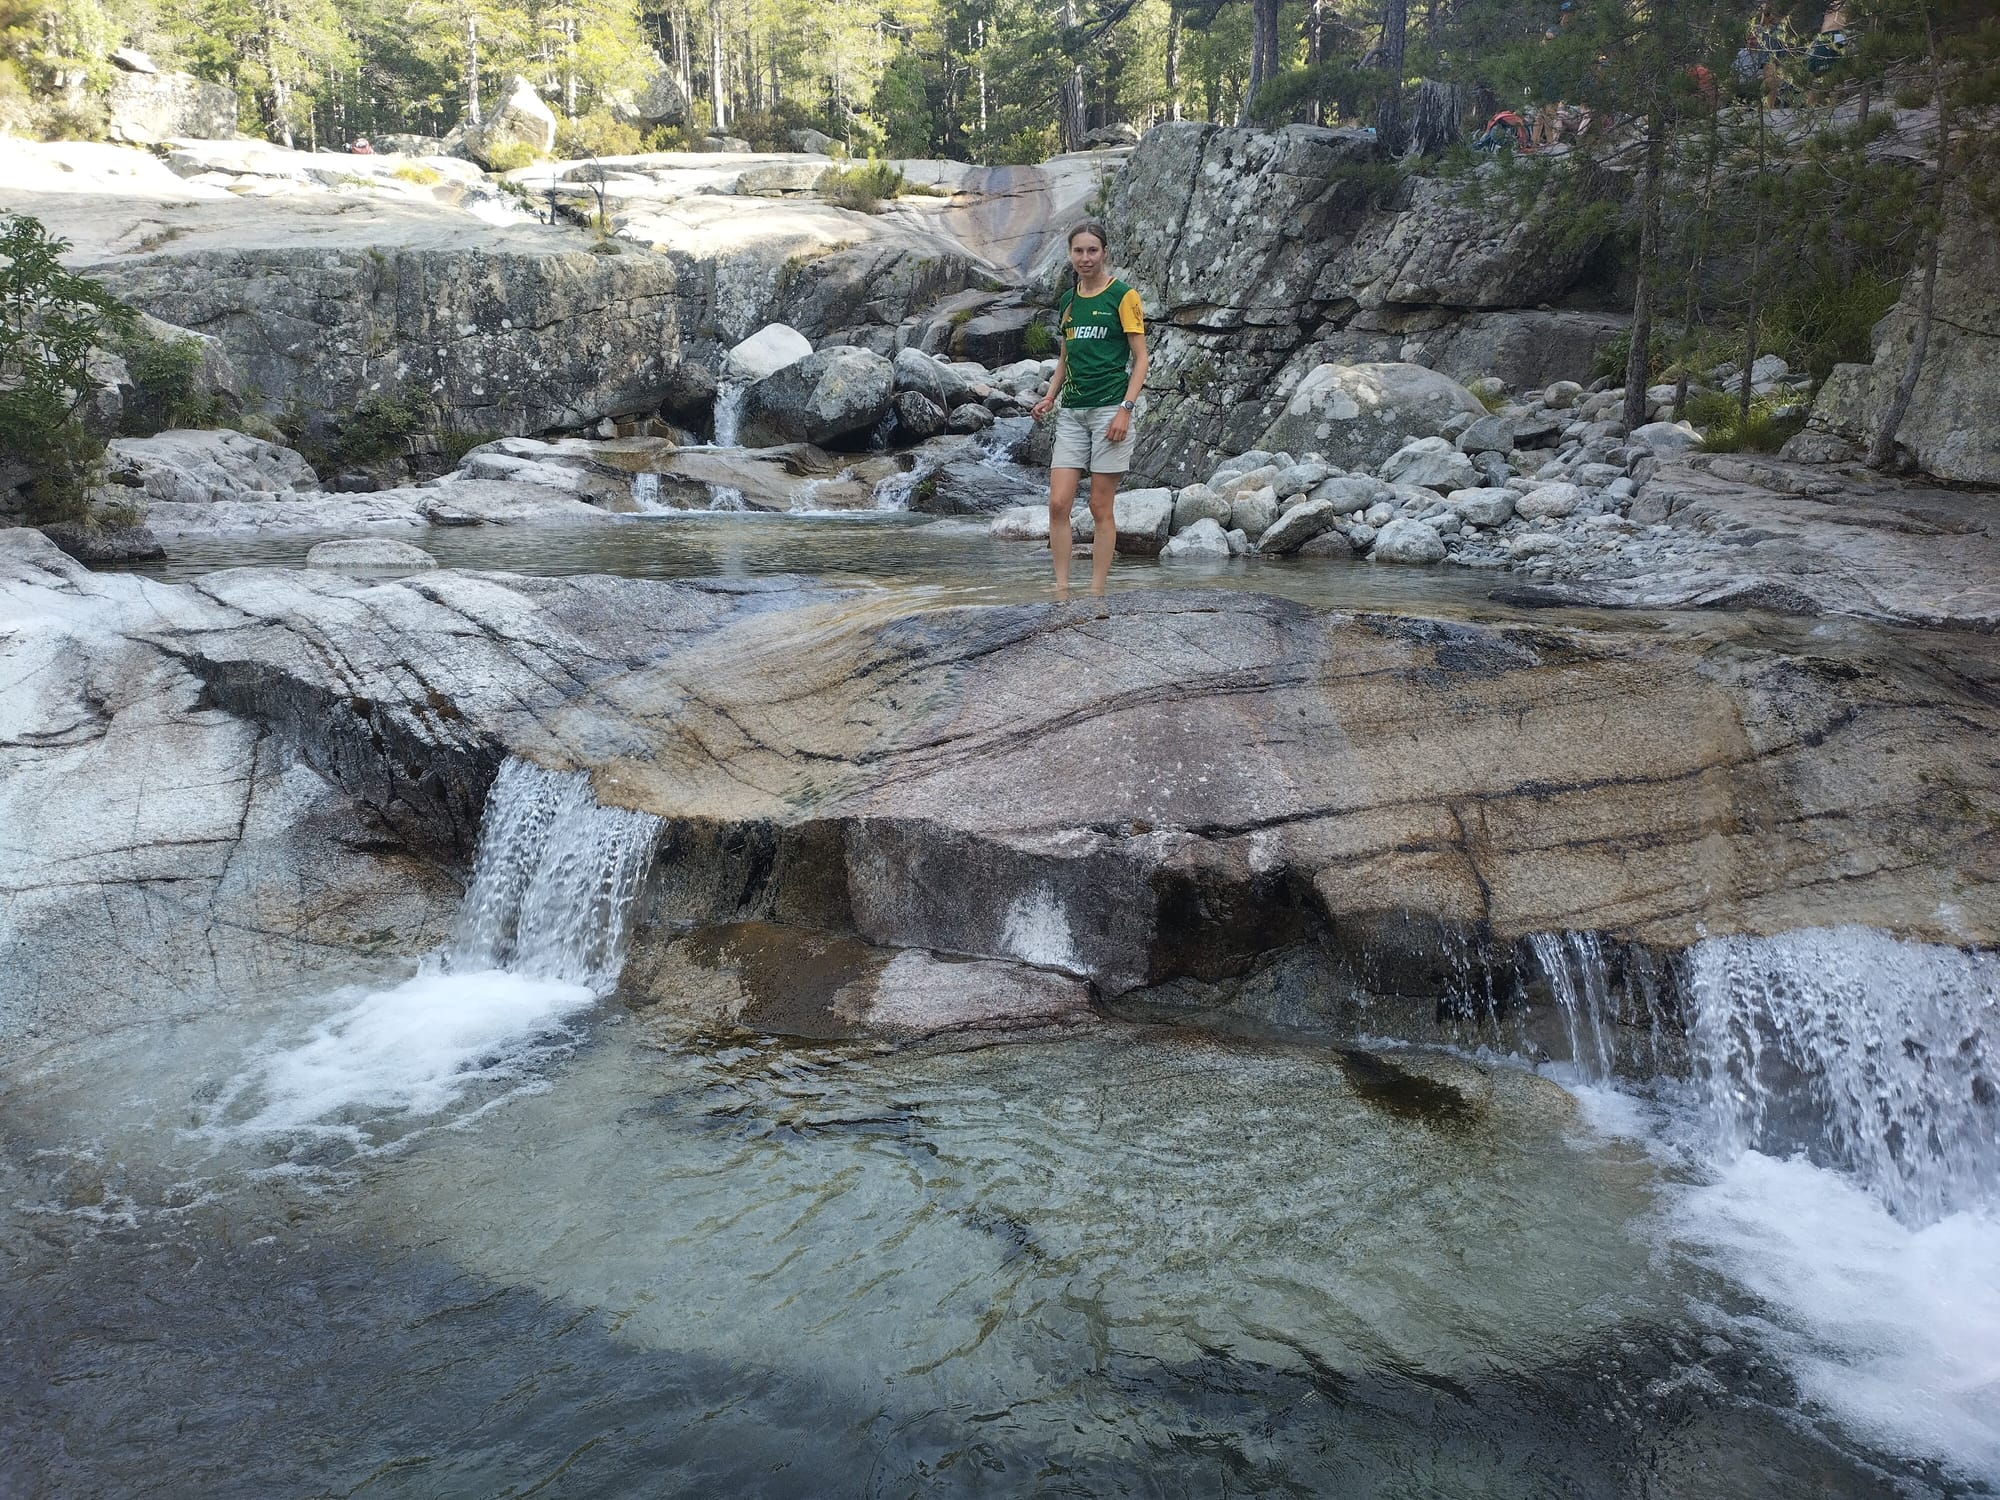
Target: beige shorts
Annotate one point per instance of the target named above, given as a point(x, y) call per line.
point(1081, 444)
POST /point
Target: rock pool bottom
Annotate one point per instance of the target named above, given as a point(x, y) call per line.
point(476, 1235)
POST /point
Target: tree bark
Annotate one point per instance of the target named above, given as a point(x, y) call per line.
point(472, 67)
point(1756, 309)
point(1389, 112)
point(1638, 358)
point(1174, 61)
point(1263, 52)
point(718, 78)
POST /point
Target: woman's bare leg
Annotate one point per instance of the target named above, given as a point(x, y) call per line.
point(1062, 496)
point(1103, 494)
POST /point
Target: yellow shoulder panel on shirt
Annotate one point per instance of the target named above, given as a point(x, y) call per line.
point(1130, 318)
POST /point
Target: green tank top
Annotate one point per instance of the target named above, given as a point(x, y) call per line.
point(1096, 357)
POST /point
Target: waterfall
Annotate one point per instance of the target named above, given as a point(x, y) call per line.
point(1573, 963)
point(728, 412)
point(646, 491)
point(553, 880)
point(540, 938)
point(1871, 1056)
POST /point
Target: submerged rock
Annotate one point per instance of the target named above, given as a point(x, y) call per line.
point(369, 557)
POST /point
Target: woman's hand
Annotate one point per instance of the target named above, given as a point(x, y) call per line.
point(1118, 426)
point(1044, 406)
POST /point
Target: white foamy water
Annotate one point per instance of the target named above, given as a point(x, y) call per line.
point(419, 1049)
point(1891, 1329)
point(541, 935)
point(728, 412)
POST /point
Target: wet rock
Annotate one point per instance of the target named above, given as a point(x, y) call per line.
point(1144, 518)
point(969, 418)
point(1408, 541)
point(99, 544)
point(369, 557)
point(835, 395)
point(1203, 538)
point(917, 416)
point(1333, 542)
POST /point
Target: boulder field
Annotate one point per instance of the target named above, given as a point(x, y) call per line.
point(1163, 787)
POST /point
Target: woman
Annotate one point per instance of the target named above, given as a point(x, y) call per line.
point(1097, 380)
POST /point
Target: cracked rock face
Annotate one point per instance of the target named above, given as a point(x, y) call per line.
point(1262, 254)
point(1239, 773)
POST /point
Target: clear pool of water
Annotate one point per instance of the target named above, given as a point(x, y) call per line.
point(604, 1252)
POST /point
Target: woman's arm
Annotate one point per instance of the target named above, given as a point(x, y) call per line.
point(1048, 402)
point(1121, 421)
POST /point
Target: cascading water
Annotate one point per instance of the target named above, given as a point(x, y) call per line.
point(728, 412)
point(553, 881)
point(1871, 1056)
point(540, 938)
point(646, 491)
point(1573, 963)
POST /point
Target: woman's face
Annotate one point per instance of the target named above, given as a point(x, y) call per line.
point(1086, 256)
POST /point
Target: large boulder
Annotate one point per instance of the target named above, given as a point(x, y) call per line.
point(767, 351)
point(660, 102)
point(1144, 519)
point(1297, 526)
point(521, 121)
point(148, 106)
point(1429, 463)
point(1358, 415)
point(1405, 540)
point(1952, 427)
point(826, 399)
point(184, 467)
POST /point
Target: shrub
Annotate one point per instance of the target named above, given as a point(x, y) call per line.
point(377, 426)
point(863, 187)
point(598, 134)
point(1038, 341)
point(1725, 429)
point(50, 321)
point(417, 172)
point(167, 388)
point(510, 156)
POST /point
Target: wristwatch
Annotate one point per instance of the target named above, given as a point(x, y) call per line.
point(1126, 406)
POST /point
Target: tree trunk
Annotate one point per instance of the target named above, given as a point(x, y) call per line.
point(1174, 61)
point(1389, 112)
point(1713, 146)
point(1882, 451)
point(1069, 97)
point(1263, 52)
point(718, 80)
point(1315, 53)
point(1756, 310)
point(1638, 359)
point(472, 67)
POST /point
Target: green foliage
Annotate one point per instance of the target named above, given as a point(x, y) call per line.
point(167, 389)
point(50, 321)
point(598, 133)
point(863, 188)
point(378, 425)
point(901, 106)
point(1725, 429)
point(1038, 341)
point(417, 172)
point(1816, 321)
point(453, 445)
point(510, 156)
